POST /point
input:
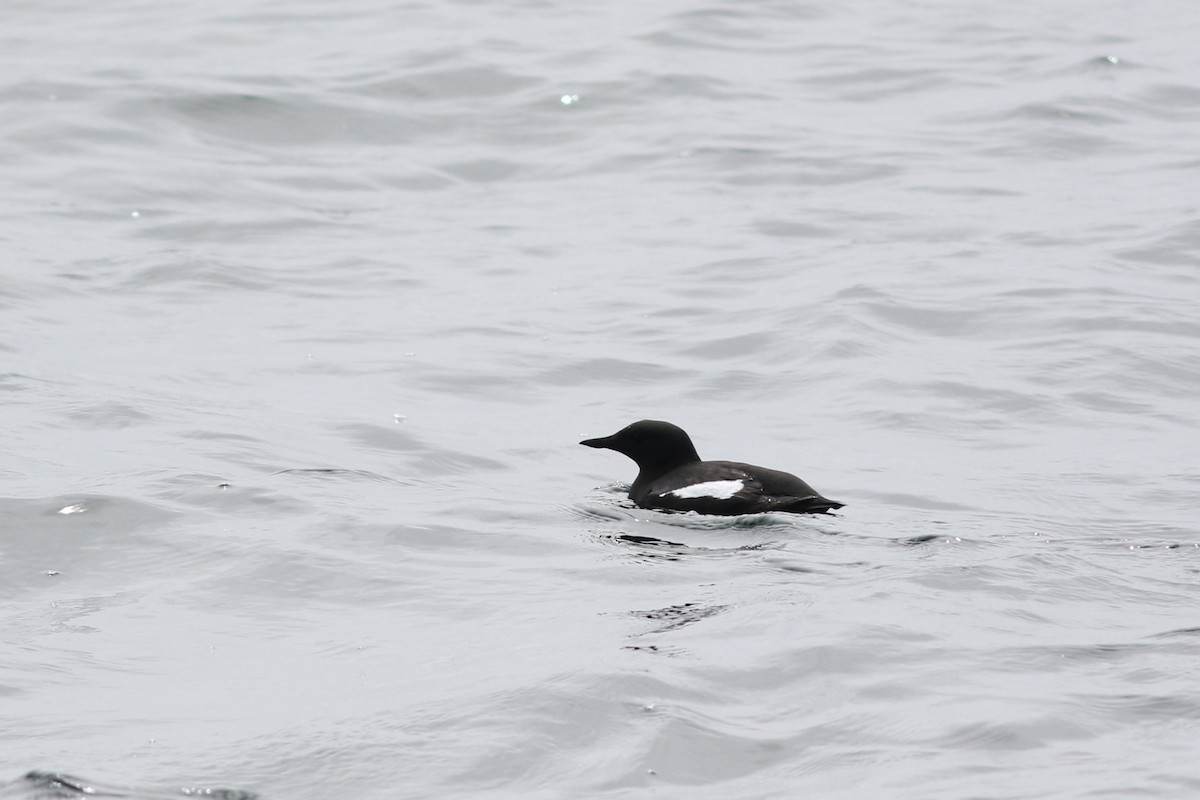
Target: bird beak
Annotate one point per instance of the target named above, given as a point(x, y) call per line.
point(602, 442)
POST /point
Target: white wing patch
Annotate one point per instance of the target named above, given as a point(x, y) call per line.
point(720, 490)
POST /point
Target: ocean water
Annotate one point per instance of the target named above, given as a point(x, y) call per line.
point(304, 308)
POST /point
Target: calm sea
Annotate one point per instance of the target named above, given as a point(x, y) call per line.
point(305, 306)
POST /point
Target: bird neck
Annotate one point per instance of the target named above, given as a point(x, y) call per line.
point(651, 469)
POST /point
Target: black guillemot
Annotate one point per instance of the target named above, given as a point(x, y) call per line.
point(671, 476)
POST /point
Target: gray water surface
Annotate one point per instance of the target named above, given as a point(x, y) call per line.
point(304, 307)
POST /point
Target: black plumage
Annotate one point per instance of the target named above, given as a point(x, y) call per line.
point(671, 476)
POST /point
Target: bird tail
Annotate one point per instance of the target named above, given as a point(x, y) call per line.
point(812, 505)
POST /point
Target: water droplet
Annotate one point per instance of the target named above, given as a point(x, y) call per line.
point(569, 99)
point(77, 508)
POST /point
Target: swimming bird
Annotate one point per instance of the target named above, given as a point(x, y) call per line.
point(671, 476)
